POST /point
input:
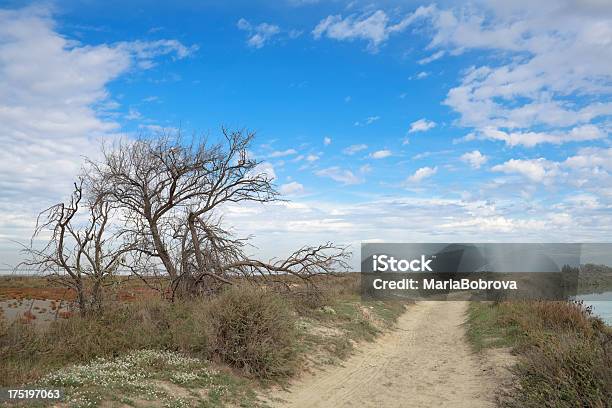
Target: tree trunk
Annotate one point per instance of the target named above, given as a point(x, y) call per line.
point(81, 297)
point(161, 250)
point(97, 295)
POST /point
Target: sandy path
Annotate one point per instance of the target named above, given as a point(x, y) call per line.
point(425, 362)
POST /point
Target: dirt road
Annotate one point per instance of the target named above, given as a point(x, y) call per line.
point(425, 362)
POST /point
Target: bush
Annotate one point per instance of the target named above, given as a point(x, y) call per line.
point(189, 327)
point(253, 330)
point(565, 353)
point(565, 371)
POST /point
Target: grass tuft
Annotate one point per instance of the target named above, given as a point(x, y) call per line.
point(565, 354)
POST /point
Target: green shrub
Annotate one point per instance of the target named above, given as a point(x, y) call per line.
point(253, 330)
point(189, 327)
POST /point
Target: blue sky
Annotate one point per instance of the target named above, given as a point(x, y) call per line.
point(381, 121)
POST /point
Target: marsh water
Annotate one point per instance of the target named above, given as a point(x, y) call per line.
point(601, 303)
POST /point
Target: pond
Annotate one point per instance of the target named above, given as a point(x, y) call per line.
point(601, 303)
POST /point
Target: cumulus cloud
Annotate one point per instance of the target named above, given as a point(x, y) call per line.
point(474, 158)
point(340, 175)
point(145, 52)
point(591, 158)
point(538, 170)
point(421, 125)
point(260, 34)
point(55, 106)
point(531, 138)
point(266, 169)
point(422, 173)
point(589, 171)
point(550, 71)
point(375, 27)
point(327, 141)
point(292, 188)
point(381, 154)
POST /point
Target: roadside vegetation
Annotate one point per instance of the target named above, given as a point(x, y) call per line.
point(206, 351)
point(564, 353)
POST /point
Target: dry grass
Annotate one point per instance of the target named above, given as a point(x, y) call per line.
point(252, 332)
point(565, 353)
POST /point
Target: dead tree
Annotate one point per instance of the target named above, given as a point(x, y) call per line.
point(81, 250)
point(169, 193)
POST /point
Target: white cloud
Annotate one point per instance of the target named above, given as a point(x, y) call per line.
point(497, 224)
point(530, 138)
point(435, 56)
point(158, 129)
point(365, 169)
point(381, 154)
point(55, 107)
point(420, 75)
point(538, 170)
point(260, 34)
point(374, 27)
point(414, 218)
point(352, 149)
point(582, 201)
point(422, 173)
point(145, 52)
point(291, 188)
point(550, 71)
point(368, 121)
point(340, 175)
point(282, 153)
point(133, 114)
point(591, 158)
point(327, 141)
point(421, 125)
point(266, 169)
point(587, 172)
point(474, 158)
point(312, 157)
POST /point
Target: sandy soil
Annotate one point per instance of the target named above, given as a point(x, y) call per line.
point(425, 362)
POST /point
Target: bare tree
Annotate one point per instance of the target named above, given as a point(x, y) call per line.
point(81, 250)
point(169, 192)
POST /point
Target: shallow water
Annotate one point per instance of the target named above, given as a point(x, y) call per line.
point(601, 303)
